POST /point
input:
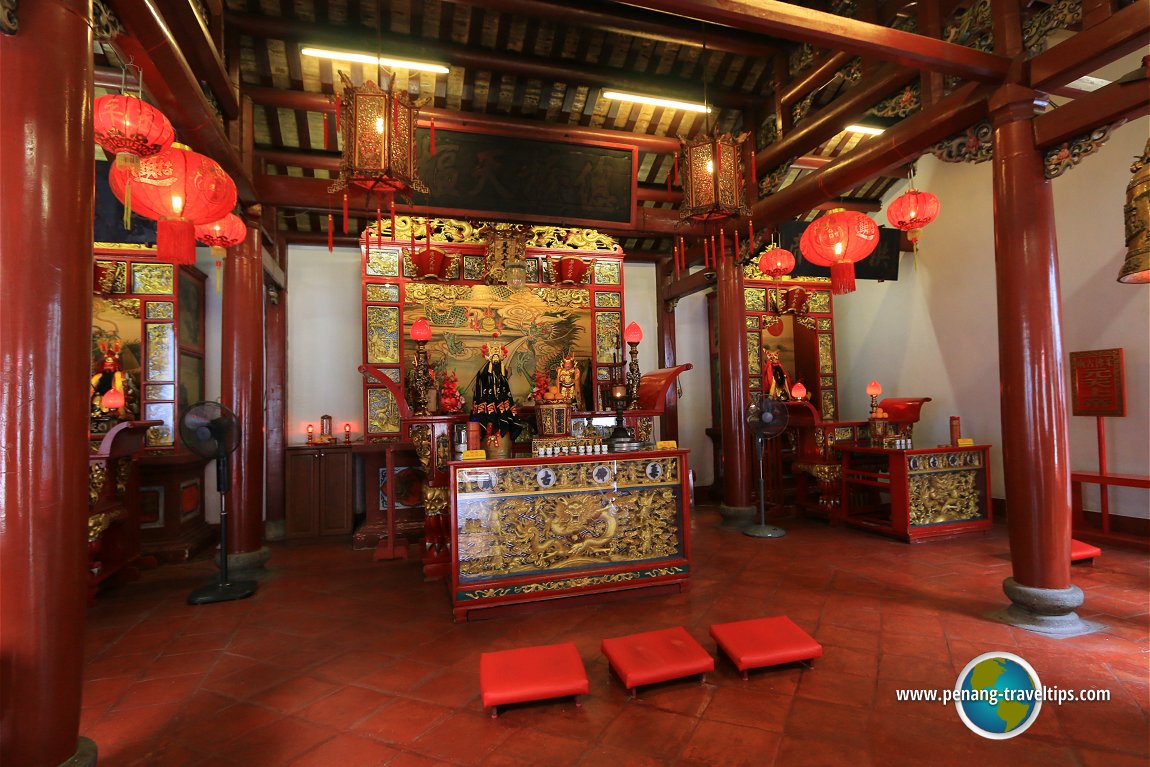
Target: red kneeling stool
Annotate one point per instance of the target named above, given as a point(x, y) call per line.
point(1083, 551)
point(765, 642)
point(531, 673)
point(656, 656)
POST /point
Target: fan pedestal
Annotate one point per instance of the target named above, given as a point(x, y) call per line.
point(222, 592)
point(764, 531)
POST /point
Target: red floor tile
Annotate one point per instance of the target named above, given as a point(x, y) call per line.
point(339, 659)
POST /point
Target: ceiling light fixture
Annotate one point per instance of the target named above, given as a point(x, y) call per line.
point(658, 102)
point(367, 58)
point(868, 130)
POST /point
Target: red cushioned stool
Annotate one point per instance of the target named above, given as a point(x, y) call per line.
point(765, 642)
point(1080, 551)
point(656, 656)
point(531, 673)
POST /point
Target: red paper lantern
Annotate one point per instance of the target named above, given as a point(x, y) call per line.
point(838, 240)
point(179, 188)
point(912, 211)
point(131, 129)
point(775, 262)
point(220, 235)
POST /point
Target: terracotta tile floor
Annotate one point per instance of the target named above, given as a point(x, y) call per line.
point(339, 660)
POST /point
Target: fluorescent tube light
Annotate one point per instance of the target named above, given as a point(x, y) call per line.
point(365, 58)
point(868, 130)
point(689, 106)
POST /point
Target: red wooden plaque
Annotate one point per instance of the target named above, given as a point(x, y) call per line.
point(1097, 382)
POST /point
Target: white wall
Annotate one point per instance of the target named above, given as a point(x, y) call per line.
point(934, 331)
point(325, 340)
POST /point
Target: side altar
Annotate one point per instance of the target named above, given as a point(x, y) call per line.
point(529, 529)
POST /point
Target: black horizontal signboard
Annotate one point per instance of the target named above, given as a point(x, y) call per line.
point(550, 181)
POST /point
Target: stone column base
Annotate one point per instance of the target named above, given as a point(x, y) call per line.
point(737, 517)
point(247, 561)
point(1045, 611)
point(85, 755)
point(275, 529)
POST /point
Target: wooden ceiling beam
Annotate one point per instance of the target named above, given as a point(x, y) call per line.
point(473, 57)
point(174, 88)
point(193, 38)
point(1121, 34)
point(1118, 101)
point(830, 120)
point(445, 119)
point(826, 30)
point(898, 146)
point(621, 20)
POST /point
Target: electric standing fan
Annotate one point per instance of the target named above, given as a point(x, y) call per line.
point(768, 417)
point(210, 430)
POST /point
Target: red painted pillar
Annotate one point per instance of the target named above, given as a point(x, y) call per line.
point(1035, 434)
point(242, 385)
point(46, 210)
point(736, 507)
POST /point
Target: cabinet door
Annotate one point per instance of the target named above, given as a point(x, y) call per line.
point(335, 502)
point(302, 495)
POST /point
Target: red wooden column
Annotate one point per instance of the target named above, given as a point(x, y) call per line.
point(46, 210)
point(736, 508)
point(242, 385)
point(664, 273)
point(1035, 432)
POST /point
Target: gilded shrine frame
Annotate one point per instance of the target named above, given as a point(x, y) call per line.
point(468, 306)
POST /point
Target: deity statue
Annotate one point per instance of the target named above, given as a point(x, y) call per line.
point(779, 382)
point(109, 377)
point(492, 405)
point(567, 378)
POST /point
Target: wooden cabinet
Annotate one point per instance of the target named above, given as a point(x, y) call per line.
point(319, 491)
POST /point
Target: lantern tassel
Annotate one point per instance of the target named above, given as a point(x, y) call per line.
point(345, 212)
point(330, 233)
point(433, 137)
point(219, 269)
point(676, 168)
point(219, 253)
point(842, 277)
point(176, 240)
point(128, 204)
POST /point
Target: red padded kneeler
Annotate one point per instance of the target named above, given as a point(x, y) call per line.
point(656, 656)
point(1080, 550)
point(531, 673)
point(764, 642)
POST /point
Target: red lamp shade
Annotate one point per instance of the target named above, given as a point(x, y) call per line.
point(874, 388)
point(798, 391)
point(912, 211)
point(179, 188)
point(113, 399)
point(776, 262)
point(420, 330)
point(838, 240)
point(130, 128)
point(633, 334)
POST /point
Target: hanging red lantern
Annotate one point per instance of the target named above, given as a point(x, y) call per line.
point(179, 188)
point(131, 129)
point(838, 240)
point(221, 235)
point(912, 211)
point(776, 261)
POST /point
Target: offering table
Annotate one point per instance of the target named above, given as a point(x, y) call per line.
point(532, 529)
point(916, 495)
